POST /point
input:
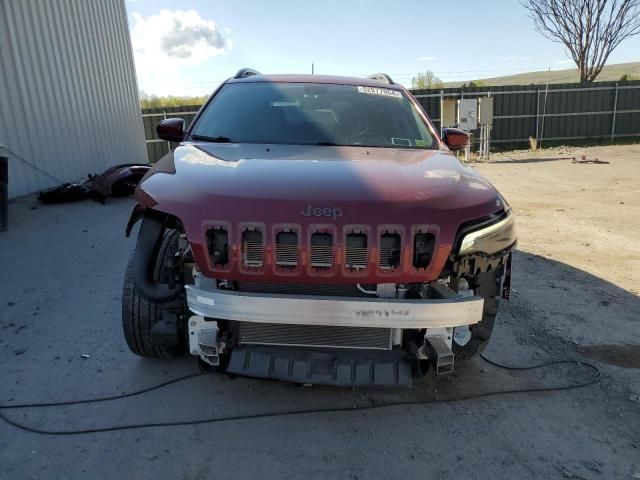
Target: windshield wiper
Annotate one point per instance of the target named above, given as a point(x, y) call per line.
point(205, 138)
point(326, 144)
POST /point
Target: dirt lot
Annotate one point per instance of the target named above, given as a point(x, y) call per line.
point(584, 214)
point(575, 296)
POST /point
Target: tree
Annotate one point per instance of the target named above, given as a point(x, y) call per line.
point(589, 29)
point(473, 84)
point(154, 101)
point(426, 80)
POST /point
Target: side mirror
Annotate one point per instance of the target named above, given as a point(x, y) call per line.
point(455, 139)
point(171, 129)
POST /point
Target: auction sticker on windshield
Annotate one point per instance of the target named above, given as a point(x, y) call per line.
point(380, 91)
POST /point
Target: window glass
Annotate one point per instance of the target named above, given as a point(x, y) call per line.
point(313, 114)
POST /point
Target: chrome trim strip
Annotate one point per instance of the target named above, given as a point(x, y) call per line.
point(338, 311)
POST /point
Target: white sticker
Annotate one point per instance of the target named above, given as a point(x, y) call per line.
point(387, 92)
point(205, 300)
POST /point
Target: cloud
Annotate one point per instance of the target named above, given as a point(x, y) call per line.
point(427, 58)
point(167, 44)
point(178, 35)
point(183, 40)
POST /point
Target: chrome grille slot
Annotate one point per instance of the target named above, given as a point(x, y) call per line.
point(356, 255)
point(287, 249)
point(218, 246)
point(390, 250)
point(321, 254)
point(423, 245)
point(252, 248)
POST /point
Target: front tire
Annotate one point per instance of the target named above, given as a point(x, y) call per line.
point(139, 315)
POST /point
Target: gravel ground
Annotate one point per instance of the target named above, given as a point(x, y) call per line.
point(575, 296)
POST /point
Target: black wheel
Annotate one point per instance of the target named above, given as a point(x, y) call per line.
point(487, 286)
point(139, 314)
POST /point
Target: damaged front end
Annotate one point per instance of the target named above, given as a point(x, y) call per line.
point(339, 334)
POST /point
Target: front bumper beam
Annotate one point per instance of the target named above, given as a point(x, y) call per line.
point(334, 311)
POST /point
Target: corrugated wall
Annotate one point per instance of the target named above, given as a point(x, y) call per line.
point(68, 92)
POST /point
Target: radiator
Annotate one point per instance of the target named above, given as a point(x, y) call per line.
point(250, 333)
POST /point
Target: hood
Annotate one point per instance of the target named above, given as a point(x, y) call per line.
point(279, 181)
point(305, 185)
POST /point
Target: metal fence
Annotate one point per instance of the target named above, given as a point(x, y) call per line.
point(598, 113)
point(601, 112)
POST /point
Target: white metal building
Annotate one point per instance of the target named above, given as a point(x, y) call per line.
point(68, 92)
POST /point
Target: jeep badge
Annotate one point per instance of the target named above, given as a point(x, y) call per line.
point(310, 211)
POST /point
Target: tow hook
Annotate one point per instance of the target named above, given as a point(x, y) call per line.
point(439, 353)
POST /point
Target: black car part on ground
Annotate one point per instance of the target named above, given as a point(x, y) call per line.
point(117, 181)
point(67, 192)
point(595, 378)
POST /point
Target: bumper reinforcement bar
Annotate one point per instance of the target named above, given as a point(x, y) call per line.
point(339, 311)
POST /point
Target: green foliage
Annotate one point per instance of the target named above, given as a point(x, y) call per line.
point(473, 84)
point(627, 77)
point(426, 80)
point(154, 101)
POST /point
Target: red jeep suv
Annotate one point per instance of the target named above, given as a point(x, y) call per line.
point(315, 229)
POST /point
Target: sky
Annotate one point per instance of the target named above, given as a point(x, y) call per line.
point(188, 47)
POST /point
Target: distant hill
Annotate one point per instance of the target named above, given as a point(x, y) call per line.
point(609, 73)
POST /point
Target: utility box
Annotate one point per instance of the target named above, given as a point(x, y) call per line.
point(485, 110)
point(448, 113)
point(468, 114)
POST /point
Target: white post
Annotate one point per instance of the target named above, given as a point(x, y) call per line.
point(441, 112)
point(615, 109)
point(537, 117)
point(164, 113)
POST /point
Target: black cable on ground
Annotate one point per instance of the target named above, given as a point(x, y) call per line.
point(104, 399)
point(595, 378)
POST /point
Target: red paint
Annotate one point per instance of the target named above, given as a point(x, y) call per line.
point(226, 184)
point(374, 189)
point(455, 139)
point(171, 129)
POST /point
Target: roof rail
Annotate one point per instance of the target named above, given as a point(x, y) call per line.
point(381, 77)
point(246, 72)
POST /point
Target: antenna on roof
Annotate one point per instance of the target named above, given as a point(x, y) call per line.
point(381, 77)
point(246, 72)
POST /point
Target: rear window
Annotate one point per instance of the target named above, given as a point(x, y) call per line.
point(314, 114)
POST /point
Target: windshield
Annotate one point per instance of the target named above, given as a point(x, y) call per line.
point(313, 114)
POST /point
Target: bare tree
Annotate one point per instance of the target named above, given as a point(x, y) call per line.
point(589, 29)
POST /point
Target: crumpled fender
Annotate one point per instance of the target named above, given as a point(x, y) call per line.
point(136, 214)
point(145, 258)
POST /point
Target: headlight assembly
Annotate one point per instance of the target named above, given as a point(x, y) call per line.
point(490, 239)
